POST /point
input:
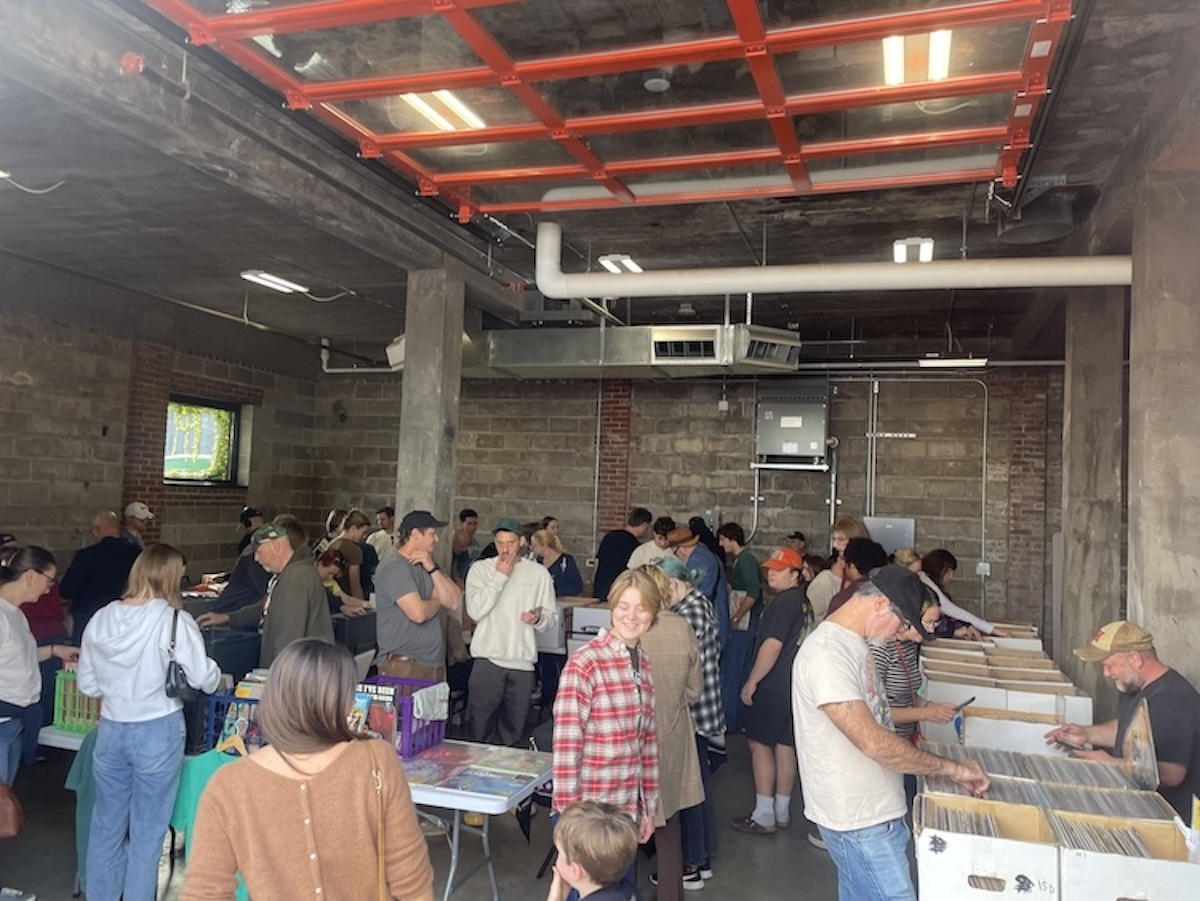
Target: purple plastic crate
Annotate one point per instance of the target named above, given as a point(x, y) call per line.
point(414, 734)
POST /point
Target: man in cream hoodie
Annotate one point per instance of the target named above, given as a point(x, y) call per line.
point(509, 598)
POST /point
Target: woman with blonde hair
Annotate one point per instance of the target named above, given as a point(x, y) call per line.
point(548, 549)
point(830, 581)
point(126, 648)
point(342, 824)
point(605, 742)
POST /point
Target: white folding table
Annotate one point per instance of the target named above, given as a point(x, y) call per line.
point(489, 803)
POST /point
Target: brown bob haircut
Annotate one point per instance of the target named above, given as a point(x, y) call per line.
point(308, 695)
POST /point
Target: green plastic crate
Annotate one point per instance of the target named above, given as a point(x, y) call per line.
point(73, 711)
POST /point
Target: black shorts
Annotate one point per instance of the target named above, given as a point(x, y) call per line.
point(769, 720)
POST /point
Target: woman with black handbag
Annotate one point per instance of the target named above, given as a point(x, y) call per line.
point(132, 654)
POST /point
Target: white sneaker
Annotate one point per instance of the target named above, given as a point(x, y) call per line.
point(15, 894)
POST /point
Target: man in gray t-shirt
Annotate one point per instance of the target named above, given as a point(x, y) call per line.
point(412, 591)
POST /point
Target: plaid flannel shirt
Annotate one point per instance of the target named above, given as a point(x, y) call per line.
point(605, 744)
point(709, 710)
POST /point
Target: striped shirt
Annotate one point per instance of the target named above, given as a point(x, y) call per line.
point(605, 743)
point(899, 667)
point(709, 710)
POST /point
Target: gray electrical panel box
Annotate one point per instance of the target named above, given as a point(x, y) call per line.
point(793, 419)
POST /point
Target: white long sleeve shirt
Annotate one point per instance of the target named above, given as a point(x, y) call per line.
point(123, 660)
point(496, 601)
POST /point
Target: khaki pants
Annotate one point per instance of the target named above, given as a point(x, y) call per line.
point(397, 665)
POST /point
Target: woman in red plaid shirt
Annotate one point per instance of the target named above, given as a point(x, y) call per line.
point(605, 746)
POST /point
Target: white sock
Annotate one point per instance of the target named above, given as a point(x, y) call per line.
point(783, 807)
point(764, 810)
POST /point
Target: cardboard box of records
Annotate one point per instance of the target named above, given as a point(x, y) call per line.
point(1113, 842)
point(1021, 681)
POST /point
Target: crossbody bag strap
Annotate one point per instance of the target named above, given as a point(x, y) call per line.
point(174, 626)
point(377, 780)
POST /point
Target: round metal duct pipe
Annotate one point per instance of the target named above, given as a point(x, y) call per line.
point(1024, 272)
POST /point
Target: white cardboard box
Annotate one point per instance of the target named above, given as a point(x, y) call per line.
point(1019, 865)
point(590, 620)
point(1090, 876)
point(1005, 731)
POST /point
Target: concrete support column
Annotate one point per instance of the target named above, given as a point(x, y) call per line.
point(1093, 462)
point(1164, 419)
point(433, 329)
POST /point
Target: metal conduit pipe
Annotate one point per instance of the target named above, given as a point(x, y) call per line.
point(1024, 272)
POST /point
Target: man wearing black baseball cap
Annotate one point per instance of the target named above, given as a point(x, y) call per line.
point(851, 761)
point(412, 591)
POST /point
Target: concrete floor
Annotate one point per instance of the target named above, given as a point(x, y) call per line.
point(785, 865)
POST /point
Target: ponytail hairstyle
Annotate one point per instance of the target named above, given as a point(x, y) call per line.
point(16, 561)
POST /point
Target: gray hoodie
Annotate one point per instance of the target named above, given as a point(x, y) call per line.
point(123, 660)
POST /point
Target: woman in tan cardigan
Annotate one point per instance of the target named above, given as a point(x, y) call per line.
point(317, 813)
point(678, 681)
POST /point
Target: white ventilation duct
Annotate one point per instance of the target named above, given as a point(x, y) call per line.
point(1025, 272)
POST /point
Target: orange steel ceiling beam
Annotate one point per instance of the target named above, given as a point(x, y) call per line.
point(750, 157)
point(716, 113)
point(715, 196)
point(749, 25)
point(319, 16)
point(653, 56)
point(1041, 49)
point(496, 57)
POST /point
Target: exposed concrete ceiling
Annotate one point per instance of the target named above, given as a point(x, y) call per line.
point(172, 196)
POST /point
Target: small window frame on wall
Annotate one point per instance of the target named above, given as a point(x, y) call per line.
point(202, 444)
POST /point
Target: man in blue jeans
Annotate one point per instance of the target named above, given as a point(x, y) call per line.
point(851, 762)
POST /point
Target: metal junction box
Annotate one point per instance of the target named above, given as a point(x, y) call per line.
point(793, 419)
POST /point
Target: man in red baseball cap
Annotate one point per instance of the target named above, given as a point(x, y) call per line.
point(1126, 651)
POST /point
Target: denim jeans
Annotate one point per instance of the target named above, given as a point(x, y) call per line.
point(10, 750)
point(699, 824)
point(136, 767)
point(872, 863)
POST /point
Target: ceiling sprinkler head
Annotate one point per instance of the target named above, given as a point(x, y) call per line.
point(658, 83)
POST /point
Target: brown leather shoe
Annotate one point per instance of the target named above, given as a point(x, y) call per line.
point(751, 826)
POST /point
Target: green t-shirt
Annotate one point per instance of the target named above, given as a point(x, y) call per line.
point(746, 575)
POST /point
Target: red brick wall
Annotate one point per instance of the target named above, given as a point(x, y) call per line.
point(1028, 391)
point(152, 382)
point(616, 401)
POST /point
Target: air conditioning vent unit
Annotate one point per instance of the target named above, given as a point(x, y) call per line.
point(698, 344)
point(757, 347)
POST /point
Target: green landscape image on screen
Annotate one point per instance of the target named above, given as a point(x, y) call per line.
point(199, 444)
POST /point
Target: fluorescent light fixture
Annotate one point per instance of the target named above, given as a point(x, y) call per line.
point(4, 174)
point(618, 263)
point(902, 250)
point(418, 103)
point(939, 55)
point(464, 112)
point(442, 108)
point(936, 362)
point(893, 60)
point(274, 282)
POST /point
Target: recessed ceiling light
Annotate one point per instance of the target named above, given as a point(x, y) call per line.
point(274, 282)
point(893, 60)
point(939, 54)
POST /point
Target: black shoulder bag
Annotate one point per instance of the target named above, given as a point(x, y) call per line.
point(177, 685)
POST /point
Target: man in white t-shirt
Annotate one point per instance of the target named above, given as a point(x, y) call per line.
point(851, 761)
